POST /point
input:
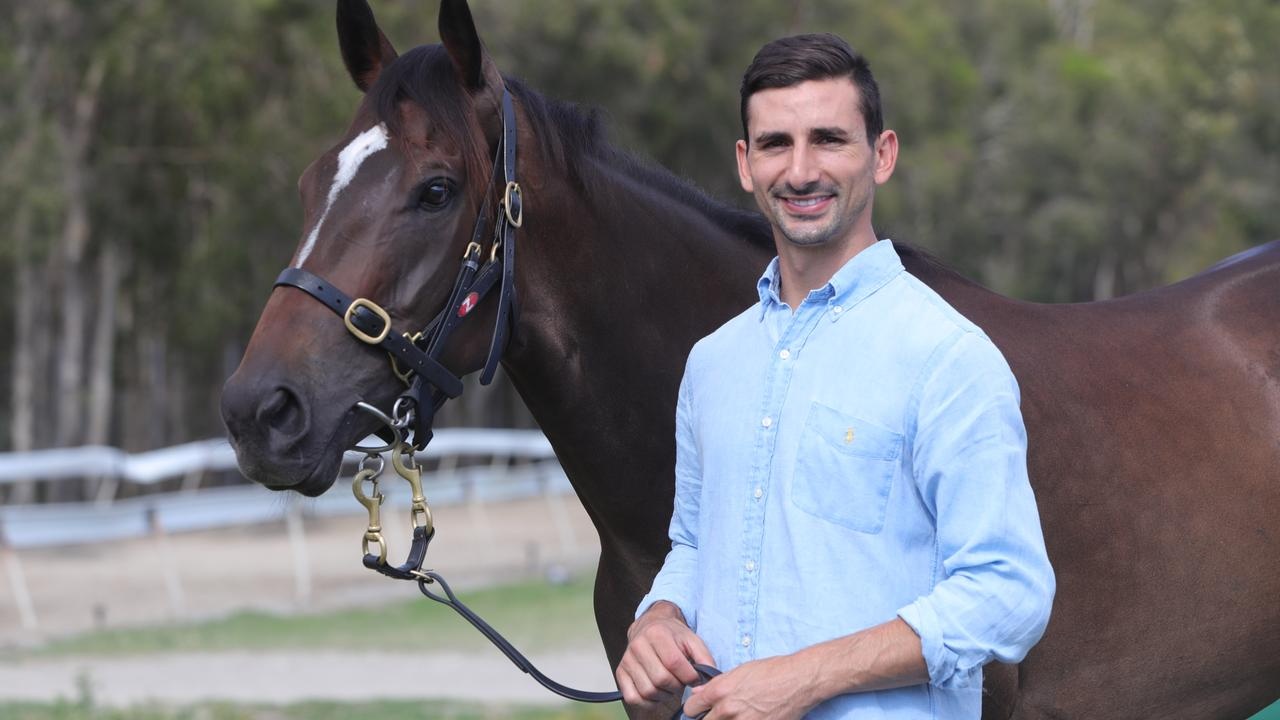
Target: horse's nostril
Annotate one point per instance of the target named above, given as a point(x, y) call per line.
point(282, 413)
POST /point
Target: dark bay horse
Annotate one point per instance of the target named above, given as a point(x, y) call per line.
point(1154, 420)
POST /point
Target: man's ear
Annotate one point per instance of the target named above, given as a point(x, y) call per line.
point(744, 169)
point(365, 50)
point(886, 156)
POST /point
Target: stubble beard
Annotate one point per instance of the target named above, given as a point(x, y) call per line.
point(814, 232)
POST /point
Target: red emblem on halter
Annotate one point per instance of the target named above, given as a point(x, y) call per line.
point(468, 304)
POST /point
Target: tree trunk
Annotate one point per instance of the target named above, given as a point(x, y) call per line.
point(76, 136)
point(101, 359)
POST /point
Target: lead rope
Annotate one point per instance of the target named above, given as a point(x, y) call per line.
point(370, 468)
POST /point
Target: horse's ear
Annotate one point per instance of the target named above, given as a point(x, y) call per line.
point(476, 70)
point(365, 50)
point(462, 42)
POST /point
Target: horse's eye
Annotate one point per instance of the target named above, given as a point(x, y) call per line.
point(435, 195)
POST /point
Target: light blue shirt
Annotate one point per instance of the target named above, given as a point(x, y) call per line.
point(860, 459)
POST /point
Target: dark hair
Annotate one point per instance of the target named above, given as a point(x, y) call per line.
point(818, 56)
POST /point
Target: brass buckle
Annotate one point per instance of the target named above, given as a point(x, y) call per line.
point(360, 334)
point(513, 188)
point(472, 248)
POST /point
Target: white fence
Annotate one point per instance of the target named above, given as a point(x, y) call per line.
point(472, 466)
point(535, 470)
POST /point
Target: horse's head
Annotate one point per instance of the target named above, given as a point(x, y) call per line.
point(389, 211)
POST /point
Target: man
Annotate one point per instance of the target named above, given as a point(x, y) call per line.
point(854, 534)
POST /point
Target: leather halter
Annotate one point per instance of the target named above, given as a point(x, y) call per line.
point(415, 358)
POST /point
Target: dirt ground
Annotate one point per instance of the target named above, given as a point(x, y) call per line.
point(211, 574)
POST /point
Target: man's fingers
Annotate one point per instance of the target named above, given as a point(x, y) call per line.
point(696, 649)
point(654, 670)
point(630, 695)
point(676, 661)
point(698, 702)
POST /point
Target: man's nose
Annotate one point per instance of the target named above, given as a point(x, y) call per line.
point(803, 170)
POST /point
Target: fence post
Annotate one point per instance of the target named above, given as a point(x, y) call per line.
point(298, 545)
point(559, 516)
point(172, 582)
point(17, 582)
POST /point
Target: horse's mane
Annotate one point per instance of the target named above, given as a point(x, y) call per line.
point(574, 138)
point(922, 262)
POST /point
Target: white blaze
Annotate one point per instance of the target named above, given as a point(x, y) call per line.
point(349, 160)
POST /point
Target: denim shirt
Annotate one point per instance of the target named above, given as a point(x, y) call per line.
point(860, 459)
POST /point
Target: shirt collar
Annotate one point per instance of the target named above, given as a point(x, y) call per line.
point(862, 275)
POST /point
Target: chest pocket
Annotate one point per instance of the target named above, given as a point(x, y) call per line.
point(845, 468)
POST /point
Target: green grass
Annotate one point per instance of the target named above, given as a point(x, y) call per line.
point(533, 615)
point(387, 710)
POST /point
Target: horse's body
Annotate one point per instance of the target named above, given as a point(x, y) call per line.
point(1154, 420)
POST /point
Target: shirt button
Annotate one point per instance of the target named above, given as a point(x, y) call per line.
point(767, 421)
point(746, 641)
point(837, 310)
point(751, 566)
point(784, 354)
point(759, 493)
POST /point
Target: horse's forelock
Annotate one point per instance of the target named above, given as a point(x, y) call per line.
point(425, 76)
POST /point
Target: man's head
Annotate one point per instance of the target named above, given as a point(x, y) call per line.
point(814, 146)
point(792, 60)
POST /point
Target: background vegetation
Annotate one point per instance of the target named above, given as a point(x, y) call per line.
point(1057, 150)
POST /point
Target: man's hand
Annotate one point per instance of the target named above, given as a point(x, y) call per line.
point(661, 650)
point(788, 686)
point(776, 688)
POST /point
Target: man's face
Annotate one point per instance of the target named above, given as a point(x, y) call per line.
point(809, 164)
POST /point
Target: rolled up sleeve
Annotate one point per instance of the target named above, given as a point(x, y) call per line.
point(676, 581)
point(993, 583)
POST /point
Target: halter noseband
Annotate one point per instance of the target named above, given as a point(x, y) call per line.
point(415, 358)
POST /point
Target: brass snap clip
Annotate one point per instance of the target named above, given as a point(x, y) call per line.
point(420, 513)
point(373, 504)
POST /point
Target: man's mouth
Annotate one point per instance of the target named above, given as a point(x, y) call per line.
point(807, 205)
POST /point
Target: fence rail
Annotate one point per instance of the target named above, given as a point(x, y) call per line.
point(534, 471)
point(216, 455)
point(499, 465)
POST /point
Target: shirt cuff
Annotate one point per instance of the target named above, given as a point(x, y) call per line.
point(657, 595)
point(938, 658)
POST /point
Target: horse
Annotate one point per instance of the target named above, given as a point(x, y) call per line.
point(1153, 419)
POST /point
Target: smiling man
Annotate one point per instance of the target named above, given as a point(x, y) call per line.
point(854, 533)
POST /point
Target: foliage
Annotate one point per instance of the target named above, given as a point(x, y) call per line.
point(1058, 150)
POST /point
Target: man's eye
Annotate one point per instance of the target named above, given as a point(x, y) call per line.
point(435, 195)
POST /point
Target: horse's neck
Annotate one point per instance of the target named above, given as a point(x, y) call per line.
point(616, 285)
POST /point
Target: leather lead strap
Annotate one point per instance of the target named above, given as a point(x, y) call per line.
point(448, 598)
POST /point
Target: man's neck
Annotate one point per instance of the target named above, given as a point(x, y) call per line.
point(804, 269)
